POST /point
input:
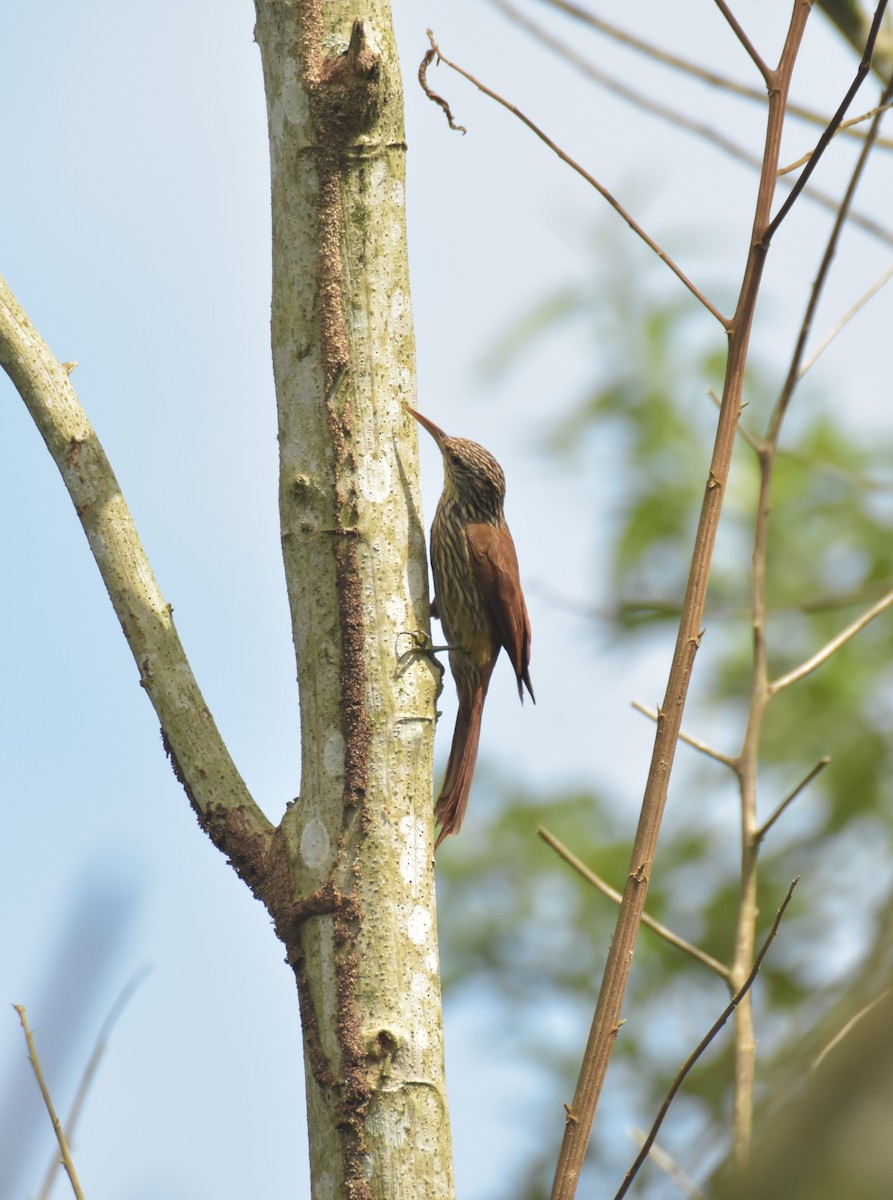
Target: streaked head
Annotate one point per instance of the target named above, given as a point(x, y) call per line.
point(473, 478)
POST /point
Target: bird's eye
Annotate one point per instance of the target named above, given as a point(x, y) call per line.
point(456, 460)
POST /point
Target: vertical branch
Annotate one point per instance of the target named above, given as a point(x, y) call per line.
point(606, 1021)
point(354, 901)
point(761, 688)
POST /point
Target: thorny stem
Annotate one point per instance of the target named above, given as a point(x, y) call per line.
point(696, 743)
point(605, 1025)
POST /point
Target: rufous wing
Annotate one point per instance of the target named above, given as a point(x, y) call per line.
point(494, 564)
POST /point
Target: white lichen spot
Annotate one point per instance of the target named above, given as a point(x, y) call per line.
point(293, 99)
point(97, 542)
point(395, 608)
point(333, 752)
point(418, 925)
point(325, 1186)
point(398, 193)
point(416, 580)
point(419, 985)
point(420, 1037)
point(431, 962)
point(414, 856)
point(315, 844)
point(375, 479)
point(398, 306)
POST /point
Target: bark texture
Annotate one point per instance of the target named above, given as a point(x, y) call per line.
point(356, 910)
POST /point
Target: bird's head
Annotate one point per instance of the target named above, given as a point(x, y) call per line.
point(472, 477)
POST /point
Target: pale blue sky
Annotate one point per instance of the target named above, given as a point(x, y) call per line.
point(134, 227)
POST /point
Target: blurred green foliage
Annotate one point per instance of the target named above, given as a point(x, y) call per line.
point(522, 925)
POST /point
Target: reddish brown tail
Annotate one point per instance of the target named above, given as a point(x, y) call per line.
point(450, 808)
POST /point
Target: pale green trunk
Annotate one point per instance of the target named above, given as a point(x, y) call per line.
point(362, 934)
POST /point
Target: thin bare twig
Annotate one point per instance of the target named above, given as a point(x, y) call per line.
point(696, 743)
point(689, 67)
point(845, 320)
point(658, 54)
point(121, 1002)
point(791, 797)
point(44, 1091)
point(821, 656)
point(824, 141)
point(703, 1044)
point(665, 1162)
point(744, 39)
point(682, 120)
point(605, 888)
point(847, 1028)
point(835, 470)
point(590, 179)
point(842, 128)
point(619, 87)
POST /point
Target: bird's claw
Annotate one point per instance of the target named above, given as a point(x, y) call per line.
point(419, 643)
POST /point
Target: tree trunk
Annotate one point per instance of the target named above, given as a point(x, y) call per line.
point(356, 903)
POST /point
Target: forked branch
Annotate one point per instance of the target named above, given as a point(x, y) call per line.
point(825, 140)
point(673, 939)
point(702, 1046)
point(822, 656)
point(198, 753)
point(681, 120)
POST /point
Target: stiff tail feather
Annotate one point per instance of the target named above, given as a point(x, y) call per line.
point(450, 808)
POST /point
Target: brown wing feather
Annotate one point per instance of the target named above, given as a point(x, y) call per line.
point(494, 564)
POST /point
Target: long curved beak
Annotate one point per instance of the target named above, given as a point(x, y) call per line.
point(436, 432)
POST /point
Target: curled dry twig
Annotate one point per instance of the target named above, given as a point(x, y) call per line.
point(426, 62)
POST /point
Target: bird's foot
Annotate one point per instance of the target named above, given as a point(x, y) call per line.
point(420, 643)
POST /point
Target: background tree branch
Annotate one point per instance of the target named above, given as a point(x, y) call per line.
point(201, 760)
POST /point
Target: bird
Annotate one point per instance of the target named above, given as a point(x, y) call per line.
point(477, 598)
